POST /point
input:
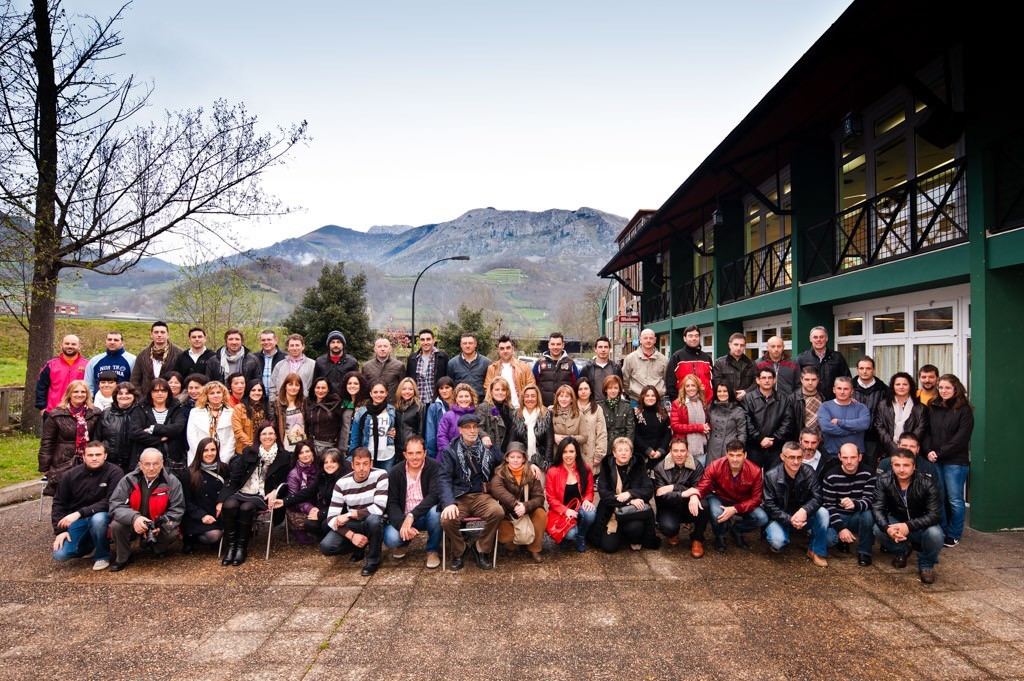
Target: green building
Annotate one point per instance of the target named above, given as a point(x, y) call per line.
point(877, 190)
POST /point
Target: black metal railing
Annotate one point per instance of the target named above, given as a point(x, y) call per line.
point(697, 294)
point(654, 308)
point(926, 213)
point(769, 268)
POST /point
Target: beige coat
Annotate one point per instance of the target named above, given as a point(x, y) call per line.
point(639, 371)
point(595, 437)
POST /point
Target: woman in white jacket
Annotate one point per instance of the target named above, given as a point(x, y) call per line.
point(211, 417)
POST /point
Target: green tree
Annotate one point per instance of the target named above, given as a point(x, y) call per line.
point(466, 321)
point(85, 183)
point(335, 302)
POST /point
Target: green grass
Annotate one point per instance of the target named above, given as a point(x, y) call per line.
point(12, 371)
point(18, 458)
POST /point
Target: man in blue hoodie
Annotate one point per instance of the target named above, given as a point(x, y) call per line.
point(115, 359)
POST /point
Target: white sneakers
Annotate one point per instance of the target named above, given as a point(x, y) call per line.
point(101, 564)
point(433, 560)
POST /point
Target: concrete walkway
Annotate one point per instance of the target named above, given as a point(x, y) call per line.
point(647, 615)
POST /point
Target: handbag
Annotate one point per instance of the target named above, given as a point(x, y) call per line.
point(561, 526)
point(632, 512)
point(523, 525)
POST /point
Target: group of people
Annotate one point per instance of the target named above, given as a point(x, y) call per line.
point(198, 443)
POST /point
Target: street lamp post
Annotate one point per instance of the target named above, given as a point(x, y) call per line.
point(412, 324)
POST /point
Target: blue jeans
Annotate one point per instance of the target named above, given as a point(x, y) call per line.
point(87, 534)
point(861, 524)
point(952, 480)
point(929, 539)
point(817, 525)
point(583, 522)
point(742, 522)
point(385, 465)
point(430, 523)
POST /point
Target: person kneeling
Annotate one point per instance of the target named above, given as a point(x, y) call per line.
point(792, 499)
point(907, 512)
point(147, 505)
point(413, 495)
point(80, 506)
point(519, 492)
point(360, 528)
point(675, 485)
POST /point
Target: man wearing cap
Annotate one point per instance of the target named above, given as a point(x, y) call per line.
point(466, 468)
point(335, 363)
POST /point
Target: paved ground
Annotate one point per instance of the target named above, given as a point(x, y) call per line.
point(647, 615)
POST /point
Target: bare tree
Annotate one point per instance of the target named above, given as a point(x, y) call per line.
point(88, 188)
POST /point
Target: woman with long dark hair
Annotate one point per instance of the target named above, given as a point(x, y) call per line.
point(592, 424)
point(305, 468)
point(569, 488)
point(354, 394)
point(291, 420)
point(206, 478)
point(899, 413)
point(255, 478)
point(247, 416)
point(323, 415)
point(948, 442)
point(318, 495)
point(653, 430)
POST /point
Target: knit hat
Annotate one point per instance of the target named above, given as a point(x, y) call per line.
point(336, 334)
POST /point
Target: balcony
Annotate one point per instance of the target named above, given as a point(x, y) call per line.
point(927, 213)
point(697, 295)
point(767, 269)
point(654, 308)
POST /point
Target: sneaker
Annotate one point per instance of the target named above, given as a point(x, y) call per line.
point(101, 564)
point(949, 543)
point(398, 553)
point(433, 560)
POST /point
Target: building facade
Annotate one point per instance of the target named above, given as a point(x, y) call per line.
point(876, 190)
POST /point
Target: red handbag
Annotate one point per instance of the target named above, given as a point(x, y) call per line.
point(560, 527)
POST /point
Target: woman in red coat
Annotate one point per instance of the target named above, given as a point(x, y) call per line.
point(689, 417)
point(569, 488)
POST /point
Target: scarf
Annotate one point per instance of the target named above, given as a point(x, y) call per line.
point(472, 457)
point(530, 419)
point(307, 473)
point(158, 355)
point(81, 428)
point(211, 469)
point(374, 410)
point(613, 402)
point(695, 414)
point(613, 522)
point(214, 418)
point(231, 363)
point(517, 473)
point(901, 416)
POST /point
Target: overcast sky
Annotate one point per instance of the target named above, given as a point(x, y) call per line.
point(421, 111)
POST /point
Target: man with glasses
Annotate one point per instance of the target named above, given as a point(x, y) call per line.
point(147, 505)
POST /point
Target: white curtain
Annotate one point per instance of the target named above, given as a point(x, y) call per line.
point(941, 355)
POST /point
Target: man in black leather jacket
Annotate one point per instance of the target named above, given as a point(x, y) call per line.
point(907, 512)
point(792, 499)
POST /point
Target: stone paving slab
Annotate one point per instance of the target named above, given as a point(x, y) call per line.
point(647, 615)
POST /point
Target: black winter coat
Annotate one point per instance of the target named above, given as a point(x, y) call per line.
point(872, 398)
point(767, 417)
point(175, 447)
point(430, 482)
point(324, 420)
point(949, 433)
point(201, 503)
point(57, 446)
point(334, 372)
point(544, 431)
point(84, 490)
point(652, 433)
point(782, 500)
point(242, 466)
point(921, 510)
point(115, 426)
point(738, 374)
point(833, 364)
point(408, 422)
point(635, 481)
point(885, 425)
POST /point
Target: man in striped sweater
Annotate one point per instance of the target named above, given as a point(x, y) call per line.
point(847, 491)
point(356, 513)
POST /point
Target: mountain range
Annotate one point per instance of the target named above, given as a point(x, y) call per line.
point(524, 266)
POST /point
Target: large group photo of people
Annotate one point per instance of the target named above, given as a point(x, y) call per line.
point(193, 447)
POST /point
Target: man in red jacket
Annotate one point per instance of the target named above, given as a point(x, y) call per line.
point(732, 487)
point(57, 373)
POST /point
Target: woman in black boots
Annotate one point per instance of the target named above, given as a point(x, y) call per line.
point(254, 479)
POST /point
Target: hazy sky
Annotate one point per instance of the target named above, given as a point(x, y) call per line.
point(421, 111)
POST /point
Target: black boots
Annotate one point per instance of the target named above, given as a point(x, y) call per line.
point(231, 542)
point(244, 534)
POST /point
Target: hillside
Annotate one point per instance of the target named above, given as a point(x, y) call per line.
point(529, 268)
